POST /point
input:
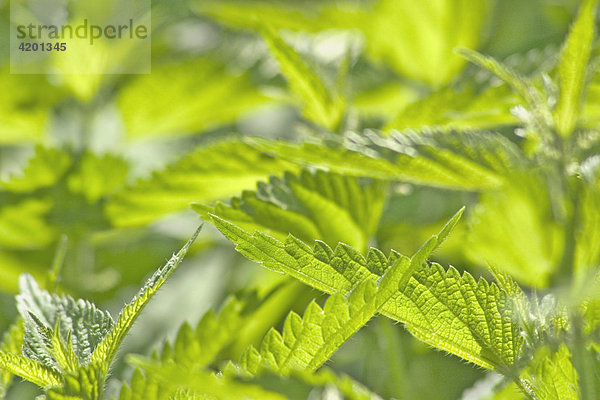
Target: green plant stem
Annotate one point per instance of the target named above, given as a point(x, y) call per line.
point(399, 386)
point(566, 267)
point(582, 362)
point(524, 390)
point(57, 264)
point(86, 111)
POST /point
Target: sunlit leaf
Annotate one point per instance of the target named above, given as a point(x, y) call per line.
point(25, 107)
point(98, 176)
point(424, 34)
point(306, 342)
point(432, 302)
point(210, 173)
point(555, 378)
point(28, 369)
point(202, 383)
point(524, 241)
point(174, 102)
point(587, 252)
point(573, 67)
point(384, 101)
point(23, 225)
point(432, 158)
point(449, 110)
point(44, 169)
point(81, 322)
point(106, 350)
point(11, 343)
point(320, 104)
point(313, 205)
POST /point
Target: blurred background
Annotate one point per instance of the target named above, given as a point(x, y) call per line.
point(98, 159)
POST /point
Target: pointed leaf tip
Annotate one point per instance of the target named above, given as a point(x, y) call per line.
point(193, 238)
point(501, 70)
point(451, 224)
point(107, 349)
point(572, 68)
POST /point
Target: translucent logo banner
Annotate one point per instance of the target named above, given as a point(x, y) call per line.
point(80, 36)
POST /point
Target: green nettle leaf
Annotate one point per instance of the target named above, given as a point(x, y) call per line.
point(98, 176)
point(592, 311)
point(23, 226)
point(466, 160)
point(590, 108)
point(346, 386)
point(188, 103)
point(200, 384)
point(554, 377)
point(424, 35)
point(319, 103)
point(159, 381)
point(344, 161)
point(197, 348)
point(282, 14)
point(524, 240)
point(11, 343)
point(25, 107)
point(324, 383)
point(12, 266)
point(587, 251)
point(105, 352)
point(143, 388)
point(30, 370)
point(78, 323)
point(69, 345)
point(384, 101)
point(208, 174)
point(484, 158)
point(155, 384)
point(459, 109)
point(44, 169)
point(573, 66)
point(313, 205)
point(85, 383)
point(524, 87)
point(307, 342)
point(469, 318)
point(515, 80)
point(447, 310)
point(243, 319)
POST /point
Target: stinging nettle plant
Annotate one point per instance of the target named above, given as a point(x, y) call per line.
point(68, 345)
point(312, 218)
